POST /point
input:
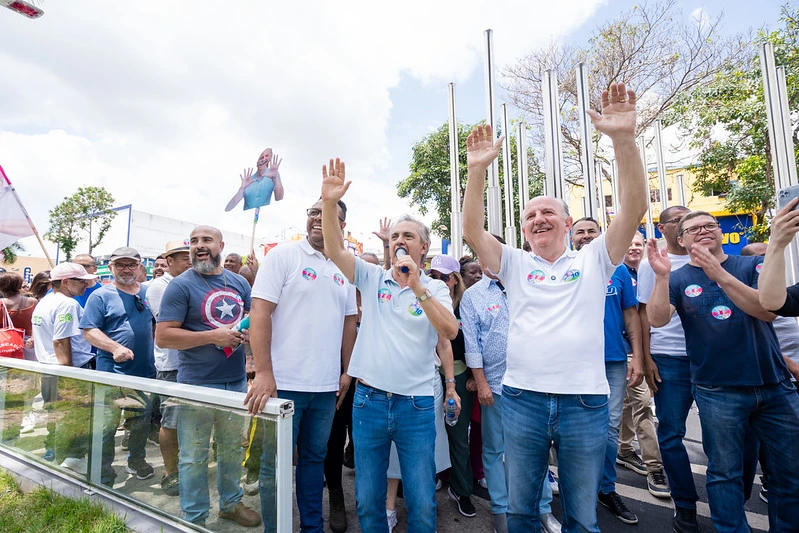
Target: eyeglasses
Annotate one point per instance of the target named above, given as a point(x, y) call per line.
point(139, 303)
point(84, 281)
point(442, 277)
point(696, 230)
point(313, 212)
point(126, 266)
point(675, 220)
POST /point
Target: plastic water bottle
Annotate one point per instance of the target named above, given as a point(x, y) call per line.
point(450, 413)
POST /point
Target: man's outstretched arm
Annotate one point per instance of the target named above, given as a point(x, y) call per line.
point(333, 189)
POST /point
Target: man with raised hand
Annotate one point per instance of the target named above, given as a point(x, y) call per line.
point(406, 316)
point(741, 382)
point(554, 390)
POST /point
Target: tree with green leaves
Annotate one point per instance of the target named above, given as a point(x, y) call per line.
point(10, 252)
point(726, 122)
point(429, 185)
point(88, 210)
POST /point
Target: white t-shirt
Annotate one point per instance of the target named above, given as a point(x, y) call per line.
point(787, 330)
point(166, 359)
point(312, 297)
point(57, 317)
point(669, 339)
point(556, 340)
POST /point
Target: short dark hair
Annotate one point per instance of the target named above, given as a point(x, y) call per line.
point(343, 208)
point(692, 215)
point(10, 283)
point(585, 219)
point(666, 213)
point(160, 257)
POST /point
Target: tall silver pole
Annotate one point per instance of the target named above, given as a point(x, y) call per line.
point(521, 156)
point(493, 208)
point(510, 227)
point(456, 225)
point(601, 209)
point(553, 153)
point(586, 144)
point(664, 191)
point(650, 227)
point(681, 189)
point(614, 184)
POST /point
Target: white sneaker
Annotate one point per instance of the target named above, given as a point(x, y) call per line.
point(482, 482)
point(28, 423)
point(391, 518)
point(76, 464)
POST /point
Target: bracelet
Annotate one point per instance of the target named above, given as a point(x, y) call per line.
point(386, 246)
point(449, 380)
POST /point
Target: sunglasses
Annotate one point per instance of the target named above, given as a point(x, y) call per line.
point(139, 303)
point(312, 212)
point(442, 277)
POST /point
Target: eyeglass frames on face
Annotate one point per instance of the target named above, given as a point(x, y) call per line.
point(125, 266)
point(312, 212)
point(696, 230)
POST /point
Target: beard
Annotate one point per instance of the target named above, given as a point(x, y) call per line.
point(206, 267)
point(125, 279)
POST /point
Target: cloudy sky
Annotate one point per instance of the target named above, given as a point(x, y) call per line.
point(165, 103)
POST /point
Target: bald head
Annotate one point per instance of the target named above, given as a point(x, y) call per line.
point(755, 248)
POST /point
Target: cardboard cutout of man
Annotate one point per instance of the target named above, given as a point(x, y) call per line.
point(257, 188)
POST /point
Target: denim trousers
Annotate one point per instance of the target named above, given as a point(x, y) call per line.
point(495, 468)
point(726, 415)
point(137, 422)
point(673, 401)
point(616, 372)
point(378, 419)
point(577, 426)
point(313, 418)
point(195, 424)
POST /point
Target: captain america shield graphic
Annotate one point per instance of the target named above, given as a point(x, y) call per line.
point(222, 307)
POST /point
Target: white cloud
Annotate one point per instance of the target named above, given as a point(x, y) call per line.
point(165, 104)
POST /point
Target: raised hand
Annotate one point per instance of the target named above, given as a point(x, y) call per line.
point(785, 225)
point(708, 262)
point(333, 184)
point(382, 233)
point(246, 178)
point(658, 259)
point(618, 112)
point(481, 149)
point(274, 167)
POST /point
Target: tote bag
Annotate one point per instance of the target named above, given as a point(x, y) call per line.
point(12, 340)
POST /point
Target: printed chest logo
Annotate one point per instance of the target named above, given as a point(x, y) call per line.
point(571, 275)
point(309, 273)
point(721, 312)
point(692, 291)
point(611, 290)
point(758, 267)
point(536, 276)
point(635, 283)
point(66, 317)
point(415, 309)
point(384, 296)
point(222, 307)
point(494, 308)
point(338, 279)
point(37, 320)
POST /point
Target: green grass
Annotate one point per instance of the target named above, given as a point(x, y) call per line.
point(44, 510)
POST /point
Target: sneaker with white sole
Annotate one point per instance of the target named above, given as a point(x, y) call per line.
point(76, 464)
point(140, 468)
point(391, 518)
point(482, 482)
point(632, 461)
point(251, 480)
point(657, 484)
point(465, 505)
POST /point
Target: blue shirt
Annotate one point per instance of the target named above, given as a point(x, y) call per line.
point(619, 294)
point(485, 320)
point(202, 303)
point(85, 297)
point(726, 346)
point(259, 192)
point(114, 312)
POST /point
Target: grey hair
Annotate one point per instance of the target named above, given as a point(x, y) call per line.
point(424, 231)
point(561, 201)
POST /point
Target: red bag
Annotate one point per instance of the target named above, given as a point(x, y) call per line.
point(12, 340)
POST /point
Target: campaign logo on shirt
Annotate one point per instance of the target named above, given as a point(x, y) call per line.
point(309, 273)
point(494, 308)
point(339, 279)
point(222, 307)
point(721, 312)
point(415, 309)
point(37, 320)
point(758, 267)
point(384, 296)
point(692, 291)
point(536, 276)
point(66, 317)
point(571, 275)
point(635, 283)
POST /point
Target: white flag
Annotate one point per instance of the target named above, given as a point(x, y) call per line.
point(13, 221)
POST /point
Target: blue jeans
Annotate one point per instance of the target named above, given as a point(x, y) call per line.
point(726, 415)
point(378, 419)
point(577, 426)
point(616, 372)
point(495, 468)
point(137, 422)
point(313, 418)
point(673, 401)
point(195, 424)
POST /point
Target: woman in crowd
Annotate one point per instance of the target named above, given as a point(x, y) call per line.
point(20, 308)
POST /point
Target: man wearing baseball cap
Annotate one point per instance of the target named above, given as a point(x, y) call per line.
point(118, 322)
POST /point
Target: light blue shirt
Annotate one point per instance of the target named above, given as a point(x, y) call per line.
point(259, 192)
point(396, 344)
point(485, 319)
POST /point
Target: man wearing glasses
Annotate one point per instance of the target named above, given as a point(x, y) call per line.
point(119, 324)
point(739, 376)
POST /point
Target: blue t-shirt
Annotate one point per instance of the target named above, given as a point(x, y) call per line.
point(85, 297)
point(726, 346)
point(619, 294)
point(202, 303)
point(259, 193)
point(114, 312)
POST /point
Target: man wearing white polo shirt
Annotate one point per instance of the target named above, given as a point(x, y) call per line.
point(296, 288)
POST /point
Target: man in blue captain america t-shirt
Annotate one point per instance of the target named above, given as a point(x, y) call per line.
point(737, 370)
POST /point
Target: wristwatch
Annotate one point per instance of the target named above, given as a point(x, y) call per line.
point(427, 294)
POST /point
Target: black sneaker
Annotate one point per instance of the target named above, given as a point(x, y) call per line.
point(465, 505)
point(632, 461)
point(616, 505)
point(657, 485)
point(685, 521)
point(140, 468)
point(349, 456)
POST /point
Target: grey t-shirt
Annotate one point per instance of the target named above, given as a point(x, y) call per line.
point(669, 339)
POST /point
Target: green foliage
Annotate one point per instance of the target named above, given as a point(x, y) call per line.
point(428, 186)
point(10, 252)
point(80, 212)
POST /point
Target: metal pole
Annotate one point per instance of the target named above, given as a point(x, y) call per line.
point(586, 144)
point(521, 156)
point(650, 227)
point(681, 189)
point(552, 147)
point(664, 191)
point(510, 228)
point(614, 183)
point(493, 208)
point(456, 226)
point(602, 210)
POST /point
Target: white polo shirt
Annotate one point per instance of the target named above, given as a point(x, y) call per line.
point(57, 317)
point(396, 346)
point(556, 340)
point(669, 339)
point(312, 297)
point(166, 359)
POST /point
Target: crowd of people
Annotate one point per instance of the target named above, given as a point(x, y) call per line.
point(549, 354)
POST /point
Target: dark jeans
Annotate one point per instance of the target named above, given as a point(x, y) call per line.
point(342, 424)
point(137, 408)
point(458, 435)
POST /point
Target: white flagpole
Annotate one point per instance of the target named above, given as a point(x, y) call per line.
point(27, 216)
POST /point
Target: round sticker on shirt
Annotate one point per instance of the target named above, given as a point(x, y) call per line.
point(721, 312)
point(758, 267)
point(309, 273)
point(692, 291)
point(339, 279)
point(415, 309)
point(571, 275)
point(493, 308)
point(536, 276)
point(384, 296)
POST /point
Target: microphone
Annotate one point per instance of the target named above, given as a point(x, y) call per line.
point(399, 253)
